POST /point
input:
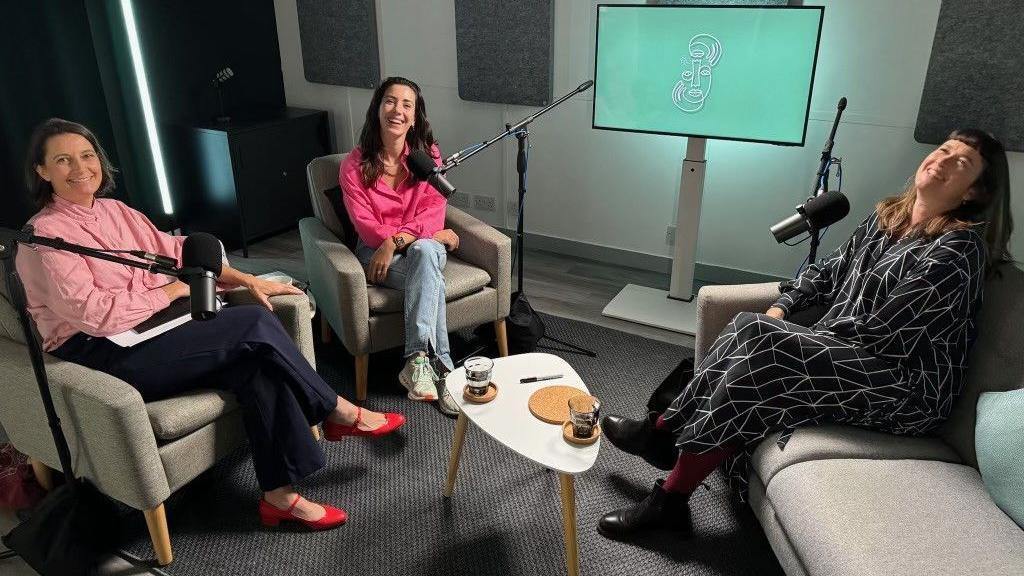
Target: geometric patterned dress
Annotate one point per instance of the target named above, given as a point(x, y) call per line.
point(890, 353)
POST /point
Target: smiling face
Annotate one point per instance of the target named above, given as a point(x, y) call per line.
point(946, 176)
point(397, 112)
point(72, 166)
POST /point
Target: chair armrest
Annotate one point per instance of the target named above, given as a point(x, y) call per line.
point(338, 282)
point(717, 305)
point(483, 246)
point(293, 312)
point(104, 419)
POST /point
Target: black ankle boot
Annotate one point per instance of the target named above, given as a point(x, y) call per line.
point(661, 510)
point(641, 438)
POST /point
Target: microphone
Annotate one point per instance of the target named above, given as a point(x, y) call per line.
point(158, 258)
point(201, 263)
point(423, 167)
point(584, 86)
point(818, 212)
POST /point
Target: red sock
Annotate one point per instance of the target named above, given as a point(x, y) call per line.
point(660, 423)
point(691, 469)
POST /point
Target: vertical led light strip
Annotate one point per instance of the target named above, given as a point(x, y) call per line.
point(147, 105)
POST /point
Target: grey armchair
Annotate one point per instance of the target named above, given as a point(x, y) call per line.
point(135, 452)
point(369, 318)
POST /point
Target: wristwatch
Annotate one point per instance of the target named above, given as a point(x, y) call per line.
point(399, 241)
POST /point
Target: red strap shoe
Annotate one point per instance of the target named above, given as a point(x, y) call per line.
point(334, 431)
point(271, 515)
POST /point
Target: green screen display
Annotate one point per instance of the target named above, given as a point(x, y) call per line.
point(737, 73)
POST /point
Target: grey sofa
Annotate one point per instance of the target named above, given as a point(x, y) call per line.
point(368, 318)
point(844, 501)
point(134, 452)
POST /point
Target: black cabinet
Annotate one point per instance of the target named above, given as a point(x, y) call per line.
point(246, 179)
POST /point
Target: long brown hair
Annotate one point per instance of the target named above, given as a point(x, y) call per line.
point(39, 189)
point(419, 136)
point(988, 210)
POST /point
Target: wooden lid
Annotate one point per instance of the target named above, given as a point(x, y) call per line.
point(551, 403)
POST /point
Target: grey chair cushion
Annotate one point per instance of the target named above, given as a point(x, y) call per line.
point(894, 517)
point(10, 325)
point(837, 441)
point(182, 415)
point(460, 279)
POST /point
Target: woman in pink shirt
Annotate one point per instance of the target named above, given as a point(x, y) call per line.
point(400, 222)
point(77, 301)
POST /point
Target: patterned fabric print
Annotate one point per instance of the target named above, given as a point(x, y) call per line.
point(890, 353)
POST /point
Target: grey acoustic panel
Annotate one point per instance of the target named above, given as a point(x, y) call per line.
point(339, 42)
point(504, 50)
point(976, 72)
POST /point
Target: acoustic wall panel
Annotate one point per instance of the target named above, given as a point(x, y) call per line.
point(976, 72)
point(339, 42)
point(505, 50)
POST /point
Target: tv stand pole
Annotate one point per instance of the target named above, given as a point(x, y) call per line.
point(674, 309)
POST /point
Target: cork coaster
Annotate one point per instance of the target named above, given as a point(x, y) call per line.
point(551, 403)
point(567, 435)
point(492, 391)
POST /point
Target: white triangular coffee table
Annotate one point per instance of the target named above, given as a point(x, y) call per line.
point(508, 420)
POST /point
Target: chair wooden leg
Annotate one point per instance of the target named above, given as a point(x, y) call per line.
point(316, 432)
point(499, 331)
point(325, 330)
point(362, 372)
point(156, 521)
point(43, 474)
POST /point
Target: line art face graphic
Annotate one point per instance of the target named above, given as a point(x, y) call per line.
point(690, 92)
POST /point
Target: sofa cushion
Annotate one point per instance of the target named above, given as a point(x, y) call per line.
point(894, 517)
point(996, 363)
point(460, 279)
point(10, 325)
point(182, 415)
point(838, 441)
point(1000, 444)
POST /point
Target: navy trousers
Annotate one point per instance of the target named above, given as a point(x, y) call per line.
point(244, 350)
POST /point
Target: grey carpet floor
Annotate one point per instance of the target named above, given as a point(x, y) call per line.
point(504, 517)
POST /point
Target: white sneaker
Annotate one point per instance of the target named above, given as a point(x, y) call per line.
point(419, 379)
point(446, 404)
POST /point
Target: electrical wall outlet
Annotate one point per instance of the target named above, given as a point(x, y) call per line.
point(459, 200)
point(484, 203)
point(670, 235)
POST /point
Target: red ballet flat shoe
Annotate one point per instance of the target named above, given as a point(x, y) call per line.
point(334, 431)
point(271, 515)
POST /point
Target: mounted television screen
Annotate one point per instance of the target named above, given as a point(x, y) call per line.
point(724, 72)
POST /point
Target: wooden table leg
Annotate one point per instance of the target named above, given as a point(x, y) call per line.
point(453, 461)
point(569, 521)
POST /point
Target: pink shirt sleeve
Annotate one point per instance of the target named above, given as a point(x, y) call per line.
point(372, 231)
point(74, 296)
point(429, 212)
point(150, 239)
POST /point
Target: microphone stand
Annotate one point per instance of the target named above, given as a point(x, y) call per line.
point(821, 182)
point(522, 134)
point(44, 539)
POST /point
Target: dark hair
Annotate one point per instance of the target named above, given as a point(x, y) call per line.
point(370, 144)
point(989, 208)
point(40, 190)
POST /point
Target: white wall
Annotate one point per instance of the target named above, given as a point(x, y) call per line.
point(619, 190)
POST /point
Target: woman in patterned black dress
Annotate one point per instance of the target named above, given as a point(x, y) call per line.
point(889, 354)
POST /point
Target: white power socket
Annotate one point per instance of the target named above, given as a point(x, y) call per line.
point(670, 235)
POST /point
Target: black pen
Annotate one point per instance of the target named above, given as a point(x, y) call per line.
point(538, 378)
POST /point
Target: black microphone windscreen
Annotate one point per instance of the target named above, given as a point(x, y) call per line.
point(421, 164)
point(827, 209)
point(202, 250)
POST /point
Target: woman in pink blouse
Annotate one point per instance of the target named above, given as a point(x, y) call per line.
point(400, 222)
point(77, 301)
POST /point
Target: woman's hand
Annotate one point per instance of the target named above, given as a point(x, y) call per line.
point(776, 312)
point(264, 289)
point(448, 237)
point(377, 269)
point(175, 290)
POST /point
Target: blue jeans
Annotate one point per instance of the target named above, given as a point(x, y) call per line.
point(418, 273)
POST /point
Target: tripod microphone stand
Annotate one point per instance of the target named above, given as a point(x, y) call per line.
point(519, 303)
